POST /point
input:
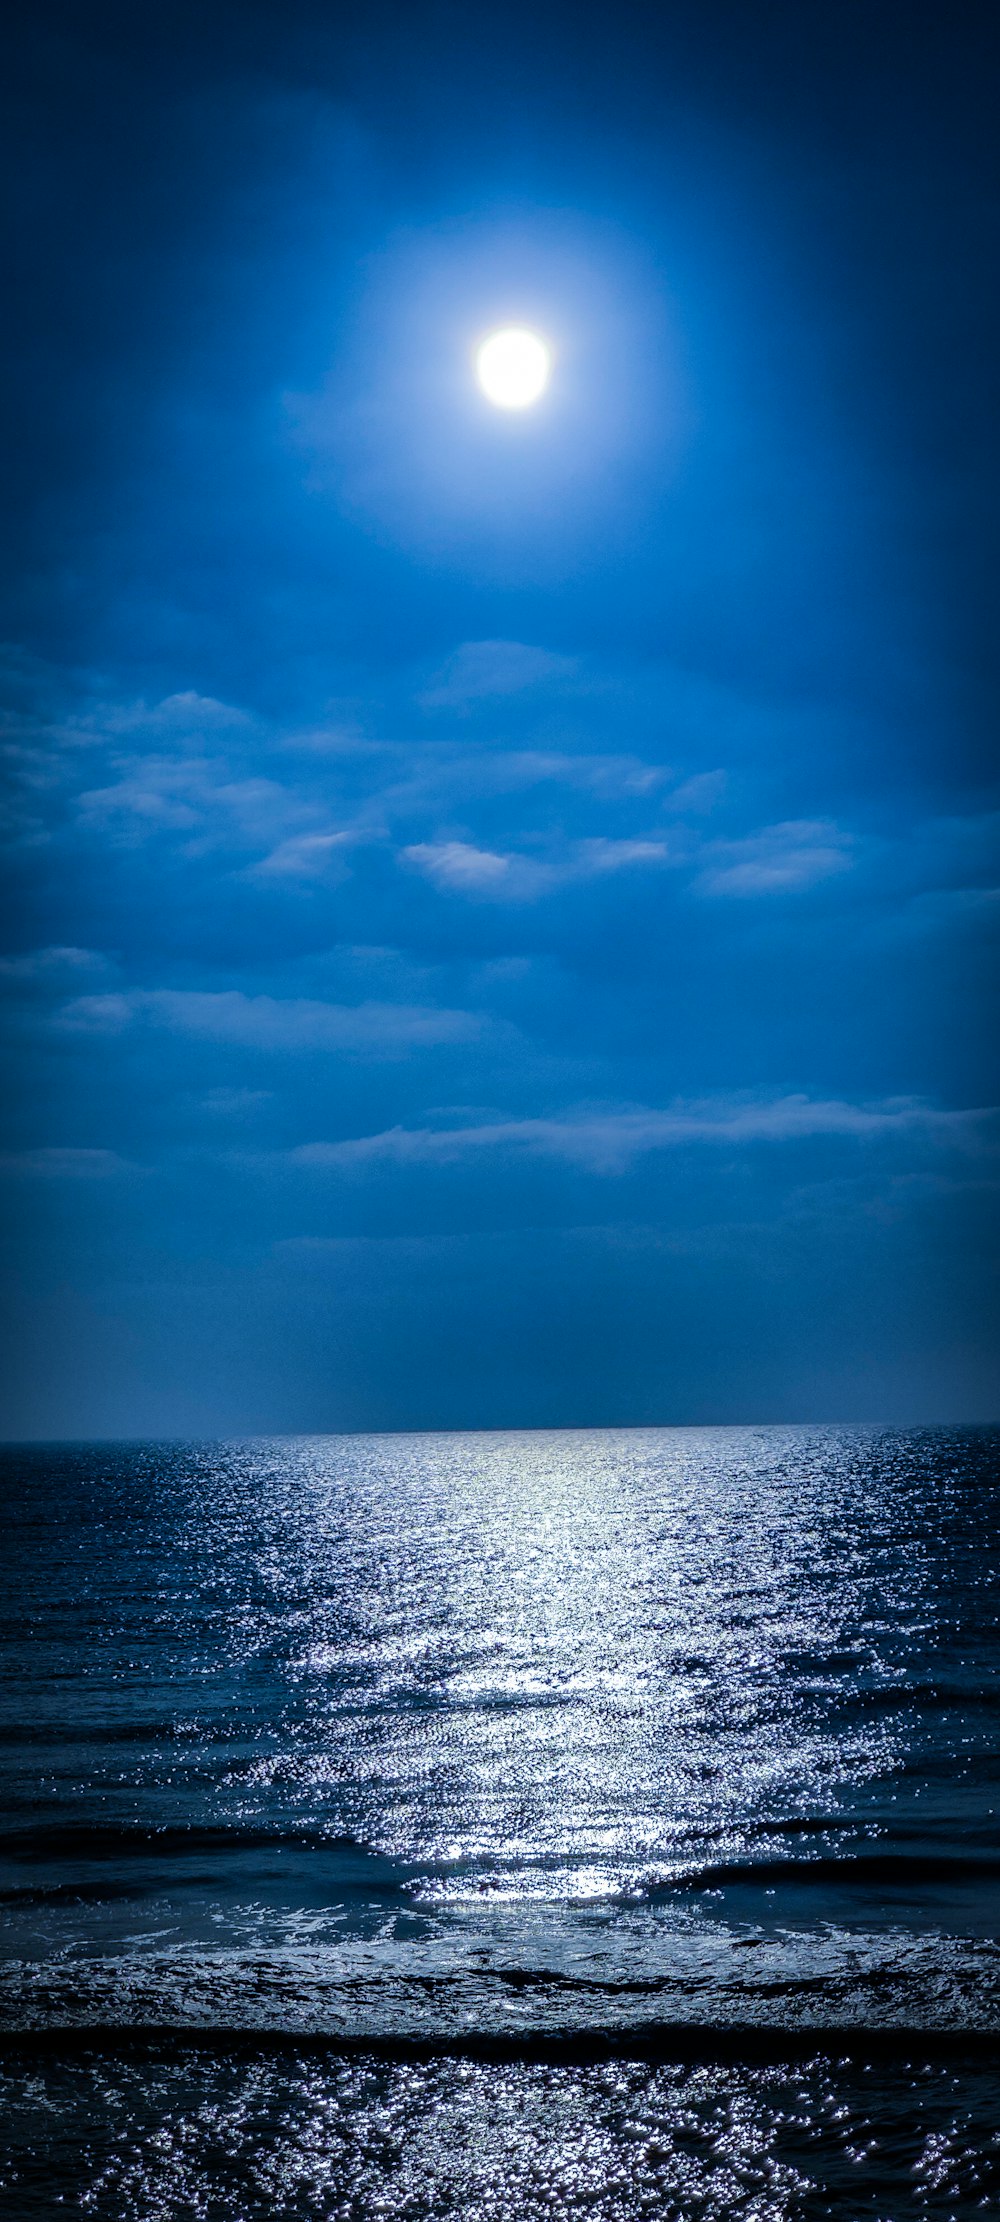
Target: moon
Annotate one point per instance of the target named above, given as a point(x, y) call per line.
point(513, 367)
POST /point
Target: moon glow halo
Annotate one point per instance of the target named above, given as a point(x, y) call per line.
point(512, 366)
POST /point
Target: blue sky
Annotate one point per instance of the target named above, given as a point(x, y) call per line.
point(500, 910)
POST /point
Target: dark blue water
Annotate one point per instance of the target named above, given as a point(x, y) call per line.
point(465, 1749)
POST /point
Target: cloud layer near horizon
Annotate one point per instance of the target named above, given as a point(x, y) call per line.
point(311, 992)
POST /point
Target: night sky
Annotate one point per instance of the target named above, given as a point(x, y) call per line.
point(500, 908)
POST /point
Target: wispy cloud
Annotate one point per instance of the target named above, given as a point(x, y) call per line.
point(591, 858)
point(481, 669)
point(462, 869)
point(63, 1164)
point(187, 715)
point(45, 970)
point(778, 860)
point(435, 773)
point(697, 796)
point(272, 1022)
point(304, 856)
point(184, 793)
point(458, 868)
point(609, 1141)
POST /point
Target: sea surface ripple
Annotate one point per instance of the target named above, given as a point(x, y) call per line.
point(450, 1751)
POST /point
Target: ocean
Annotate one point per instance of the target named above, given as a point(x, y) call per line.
point(595, 1823)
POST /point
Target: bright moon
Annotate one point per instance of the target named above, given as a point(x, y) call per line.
point(513, 368)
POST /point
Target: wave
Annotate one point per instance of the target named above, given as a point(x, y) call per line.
point(846, 1983)
point(55, 1840)
point(902, 2046)
point(20, 1734)
point(921, 1697)
point(68, 1894)
point(839, 1869)
point(350, 1866)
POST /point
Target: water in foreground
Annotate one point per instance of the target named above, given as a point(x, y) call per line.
point(403, 1797)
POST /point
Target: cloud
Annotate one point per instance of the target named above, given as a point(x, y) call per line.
point(608, 777)
point(946, 866)
point(779, 860)
point(600, 855)
point(63, 1164)
point(228, 1103)
point(481, 669)
point(699, 795)
point(186, 713)
point(183, 793)
point(303, 856)
point(609, 1141)
point(54, 968)
point(458, 868)
point(97, 1014)
point(271, 1022)
point(437, 770)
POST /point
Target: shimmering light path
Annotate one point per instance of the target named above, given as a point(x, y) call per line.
point(300, 1692)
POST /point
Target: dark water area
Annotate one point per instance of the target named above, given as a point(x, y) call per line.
point(389, 1824)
